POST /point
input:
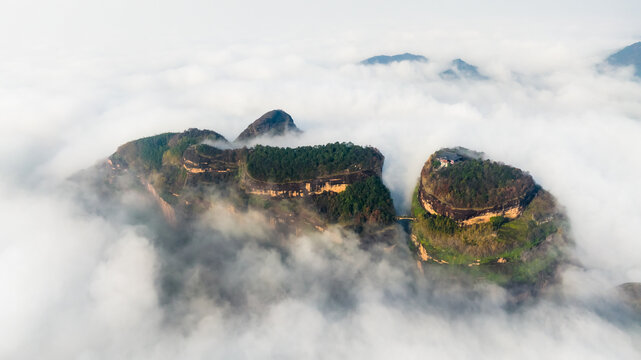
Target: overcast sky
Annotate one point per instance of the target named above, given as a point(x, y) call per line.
point(118, 24)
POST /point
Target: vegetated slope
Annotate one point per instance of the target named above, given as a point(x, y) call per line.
point(367, 201)
point(516, 243)
point(148, 153)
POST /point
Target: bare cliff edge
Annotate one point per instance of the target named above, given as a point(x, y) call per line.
point(314, 183)
point(488, 218)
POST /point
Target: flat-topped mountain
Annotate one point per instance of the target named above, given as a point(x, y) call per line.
point(490, 217)
point(272, 123)
point(388, 59)
point(459, 184)
point(628, 56)
point(459, 69)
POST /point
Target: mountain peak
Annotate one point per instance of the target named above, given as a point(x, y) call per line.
point(461, 69)
point(629, 55)
point(273, 123)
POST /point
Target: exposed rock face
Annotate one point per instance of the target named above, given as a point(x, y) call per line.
point(628, 56)
point(334, 183)
point(273, 123)
point(388, 59)
point(210, 165)
point(510, 209)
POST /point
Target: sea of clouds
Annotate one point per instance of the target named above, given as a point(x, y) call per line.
point(89, 281)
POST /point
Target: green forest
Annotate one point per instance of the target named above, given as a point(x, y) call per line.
point(478, 183)
point(364, 201)
point(150, 153)
point(147, 152)
point(277, 164)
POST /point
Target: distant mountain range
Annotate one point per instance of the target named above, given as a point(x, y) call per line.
point(458, 69)
point(388, 59)
point(628, 56)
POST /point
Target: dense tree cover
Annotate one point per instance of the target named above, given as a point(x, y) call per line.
point(361, 202)
point(500, 237)
point(440, 223)
point(150, 151)
point(478, 183)
point(277, 164)
point(497, 221)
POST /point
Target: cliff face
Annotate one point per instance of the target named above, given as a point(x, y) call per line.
point(207, 164)
point(335, 184)
point(509, 209)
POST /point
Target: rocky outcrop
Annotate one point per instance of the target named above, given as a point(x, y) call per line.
point(273, 123)
point(510, 209)
point(333, 183)
point(207, 164)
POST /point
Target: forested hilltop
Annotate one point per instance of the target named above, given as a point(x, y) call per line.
point(466, 182)
point(303, 187)
point(487, 217)
point(276, 164)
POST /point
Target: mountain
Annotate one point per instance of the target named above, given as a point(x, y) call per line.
point(628, 56)
point(388, 59)
point(298, 189)
point(272, 123)
point(462, 70)
point(490, 218)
